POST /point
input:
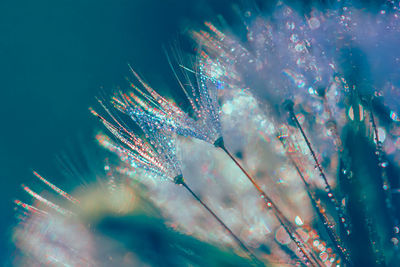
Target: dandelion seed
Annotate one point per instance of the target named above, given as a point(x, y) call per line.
point(384, 177)
point(289, 107)
point(312, 63)
point(51, 234)
point(316, 203)
point(158, 157)
point(168, 117)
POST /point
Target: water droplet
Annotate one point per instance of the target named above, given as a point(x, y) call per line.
point(299, 47)
point(394, 116)
point(384, 164)
point(294, 38)
point(298, 221)
point(290, 25)
point(314, 23)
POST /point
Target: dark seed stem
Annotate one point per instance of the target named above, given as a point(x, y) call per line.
point(321, 214)
point(234, 236)
point(283, 221)
point(331, 195)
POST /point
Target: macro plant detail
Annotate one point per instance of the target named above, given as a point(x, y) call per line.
point(157, 156)
point(304, 110)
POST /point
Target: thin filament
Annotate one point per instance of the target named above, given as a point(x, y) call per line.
point(235, 237)
point(328, 188)
point(321, 213)
point(284, 222)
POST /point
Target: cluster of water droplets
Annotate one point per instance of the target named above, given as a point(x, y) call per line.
point(156, 112)
point(155, 154)
point(286, 56)
point(314, 60)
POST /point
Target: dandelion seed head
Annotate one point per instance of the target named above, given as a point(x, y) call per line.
point(156, 156)
point(236, 90)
